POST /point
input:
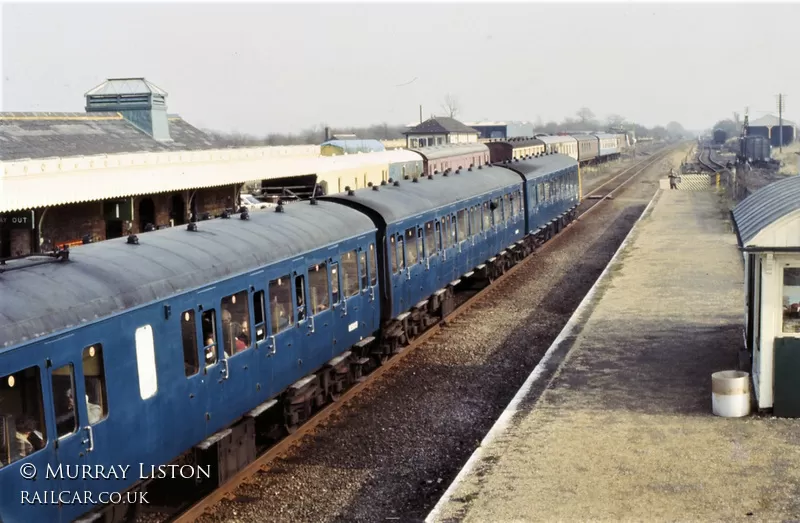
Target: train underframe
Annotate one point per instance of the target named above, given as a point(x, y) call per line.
point(232, 449)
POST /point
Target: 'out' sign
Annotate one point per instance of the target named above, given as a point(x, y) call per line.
point(20, 220)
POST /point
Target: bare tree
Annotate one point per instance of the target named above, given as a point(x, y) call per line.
point(584, 114)
point(451, 106)
point(615, 120)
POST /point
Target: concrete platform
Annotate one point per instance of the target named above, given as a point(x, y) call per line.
point(616, 423)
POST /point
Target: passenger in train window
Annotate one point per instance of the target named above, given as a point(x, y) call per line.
point(280, 304)
point(95, 383)
point(210, 335)
point(235, 313)
point(335, 283)
point(21, 431)
point(318, 288)
point(95, 411)
point(189, 340)
point(242, 342)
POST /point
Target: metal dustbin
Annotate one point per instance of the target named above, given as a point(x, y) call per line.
point(730, 393)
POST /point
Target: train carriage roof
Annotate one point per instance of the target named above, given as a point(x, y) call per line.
point(542, 166)
point(518, 143)
point(436, 152)
point(557, 139)
point(410, 198)
point(107, 277)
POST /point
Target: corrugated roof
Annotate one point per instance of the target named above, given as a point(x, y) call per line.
point(410, 198)
point(446, 151)
point(441, 124)
point(769, 121)
point(50, 135)
point(123, 86)
point(764, 207)
point(104, 278)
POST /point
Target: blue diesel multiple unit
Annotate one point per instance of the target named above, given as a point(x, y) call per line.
point(189, 345)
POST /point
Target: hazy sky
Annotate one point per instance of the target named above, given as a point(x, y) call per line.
point(262, 68)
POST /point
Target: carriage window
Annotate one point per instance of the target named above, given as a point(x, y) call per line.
point(146, 362)
point(300, 294)
point(64, 400)
point(189, 337)
point(430, 240)
point(539, 192)
point(547, 191)
point(209, 326)
point(446, 232)
point(235, 323)
point(420, 242)
point(335, 283)
point(393, 254)
point(259, 316)
point(373, 265)
point(362, 269)
point(463, 227)
point(350, 273)
point(411, 246)
point(318, 288)
point(94, 380)
point(452, 225)
point(487, 217)
point(475, 225)
point(281, 311)
point(438, 234)
point(507, 207)
point(497, 212)
point(399, 253)
point(791, 300)
point(22, 429)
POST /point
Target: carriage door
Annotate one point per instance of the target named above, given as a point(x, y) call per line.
point(321, 319)
point(73, 443)
point(279, 357)
point(214, 368)
point(348, 301)
point(236, 340)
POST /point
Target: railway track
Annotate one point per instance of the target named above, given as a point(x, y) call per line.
point(190, 511)
point(706, 159)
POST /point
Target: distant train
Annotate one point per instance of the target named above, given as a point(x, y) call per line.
point(357, 171)
point(755, 150)
point(720, 136)
point(194, 345)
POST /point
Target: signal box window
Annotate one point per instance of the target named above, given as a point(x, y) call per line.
point(281, 311)
point(362, 268)
point(94, 380)
point(235, 323)
point(64, 400)
point(22, 429)
point(318, 288)
point(259, 316)
point(210, 337)
point(411, 246)
point(373, 265)
point(350, 273)
point(189, 337)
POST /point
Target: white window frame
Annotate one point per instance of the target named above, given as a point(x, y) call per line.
point(146, 362)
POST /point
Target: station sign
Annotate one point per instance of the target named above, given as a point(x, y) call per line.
point(18, 220)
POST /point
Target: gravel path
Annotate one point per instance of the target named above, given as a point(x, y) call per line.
point(393, 450)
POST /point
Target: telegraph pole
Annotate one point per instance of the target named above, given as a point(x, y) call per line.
point(781, 107)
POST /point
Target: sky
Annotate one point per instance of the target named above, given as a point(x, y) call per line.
point(261, 68)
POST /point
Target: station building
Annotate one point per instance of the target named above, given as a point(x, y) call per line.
point(125, 166)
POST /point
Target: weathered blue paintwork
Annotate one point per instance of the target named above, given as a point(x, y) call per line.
point(107, 290)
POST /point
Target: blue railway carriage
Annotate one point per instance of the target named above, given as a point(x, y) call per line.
point(434, 232)
point(551, 195)
point(609, 147)
point(164, 343)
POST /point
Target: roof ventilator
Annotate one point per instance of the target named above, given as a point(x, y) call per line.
point(279, 207)
point(244, 215)
point(391, 180)
point(351, 192)
point(406, 177)
point(314, 201)
point(415, 180)
point(374, 187)
point(192, 227)
point(225, 215)
point(480, 167)
point(430, 177)
point(445, 174)
point(383, 182)
point(397, 184)
point(133, 239)
point(470, 169)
